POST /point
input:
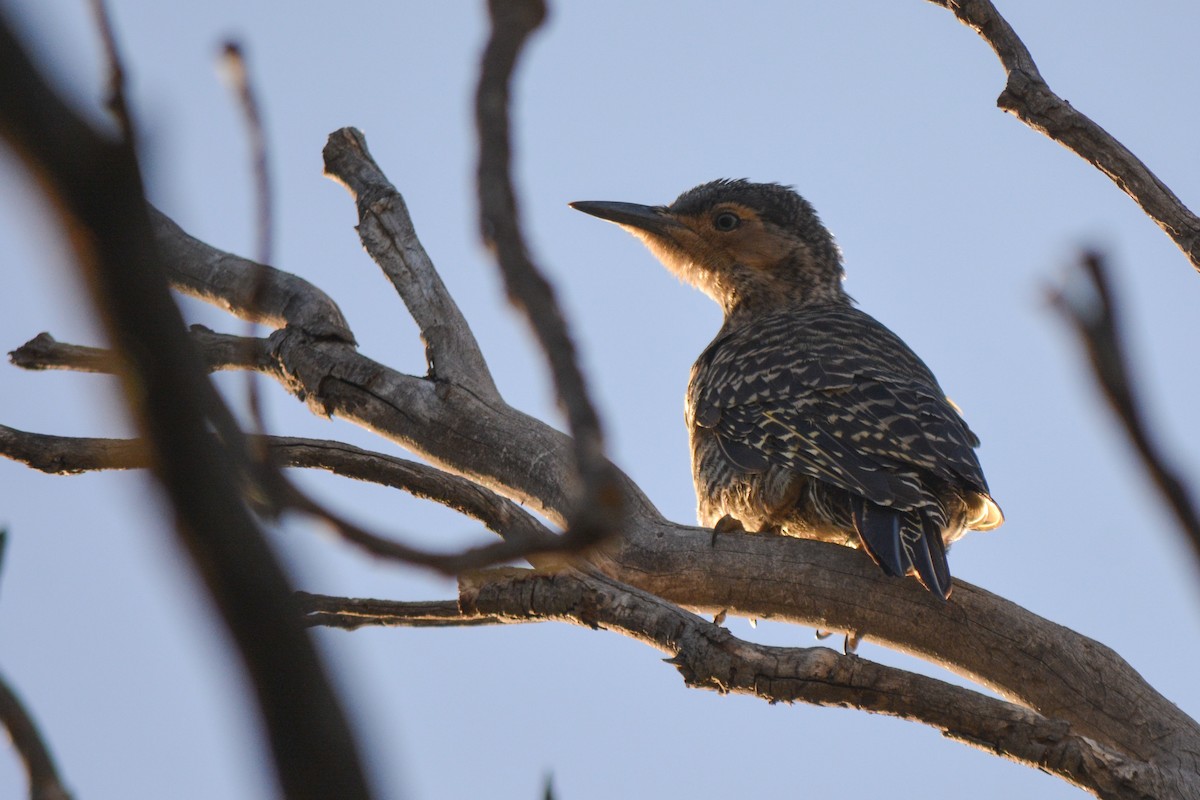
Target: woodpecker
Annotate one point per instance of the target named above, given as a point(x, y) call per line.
point(807, 417)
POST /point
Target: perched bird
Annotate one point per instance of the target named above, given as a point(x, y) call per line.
point(808, 417)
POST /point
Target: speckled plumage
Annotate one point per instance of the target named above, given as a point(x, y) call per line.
point(807, 416)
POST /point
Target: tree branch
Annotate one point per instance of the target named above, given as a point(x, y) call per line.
point(598, 509)
point(219, 351)
point(522, 535)
point(245, 288)
point(45, 352)
point(350, 614)
point(710, 657)
point(1030, 99)
point(387, 233)
point(44, 781)
point(1089, 306)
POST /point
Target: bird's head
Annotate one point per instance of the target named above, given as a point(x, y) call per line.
point(752, 247)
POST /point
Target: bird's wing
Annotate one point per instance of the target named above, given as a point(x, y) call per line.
point(841, 400)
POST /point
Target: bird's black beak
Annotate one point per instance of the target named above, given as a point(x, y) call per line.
point(652, 219)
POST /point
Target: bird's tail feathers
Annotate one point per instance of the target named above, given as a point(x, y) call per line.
point(929, 558)
point(879, 531)
point(903, 541)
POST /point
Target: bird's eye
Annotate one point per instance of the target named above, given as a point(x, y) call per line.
point(726, 221)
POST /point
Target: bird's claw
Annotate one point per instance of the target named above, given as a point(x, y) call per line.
point(726, 524)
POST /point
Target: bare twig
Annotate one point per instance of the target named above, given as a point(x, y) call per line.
point(45, 352)
point(522, 535)
point(350, 613)
point(115, 98)
point(445, 563)
point(220, 351)
point(499, 514)
point(234, 66)
point(44, 781)
point(599, 507)
point(1029, 98)
point(96, 187)
point(1089, 305)
point(234, 63)
point(387, 233)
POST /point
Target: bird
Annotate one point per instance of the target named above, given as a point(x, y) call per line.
point(808, 417)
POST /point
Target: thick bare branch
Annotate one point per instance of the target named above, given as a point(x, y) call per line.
point(1029, 98)
point(1089, 306)
point(245, 288)
point(598, 509)
point(387, 233)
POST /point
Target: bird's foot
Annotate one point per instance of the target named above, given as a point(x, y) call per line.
point(849, 644)
point(726, 524)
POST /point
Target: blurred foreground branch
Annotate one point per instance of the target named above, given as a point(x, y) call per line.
point(96, 188)
point(44, 781)
point(1088, 304)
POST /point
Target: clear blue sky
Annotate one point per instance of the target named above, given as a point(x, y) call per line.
point(952, 217)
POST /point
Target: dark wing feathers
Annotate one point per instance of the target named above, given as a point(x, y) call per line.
point(833, 394)
point(747, 458)
point(798, 442)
